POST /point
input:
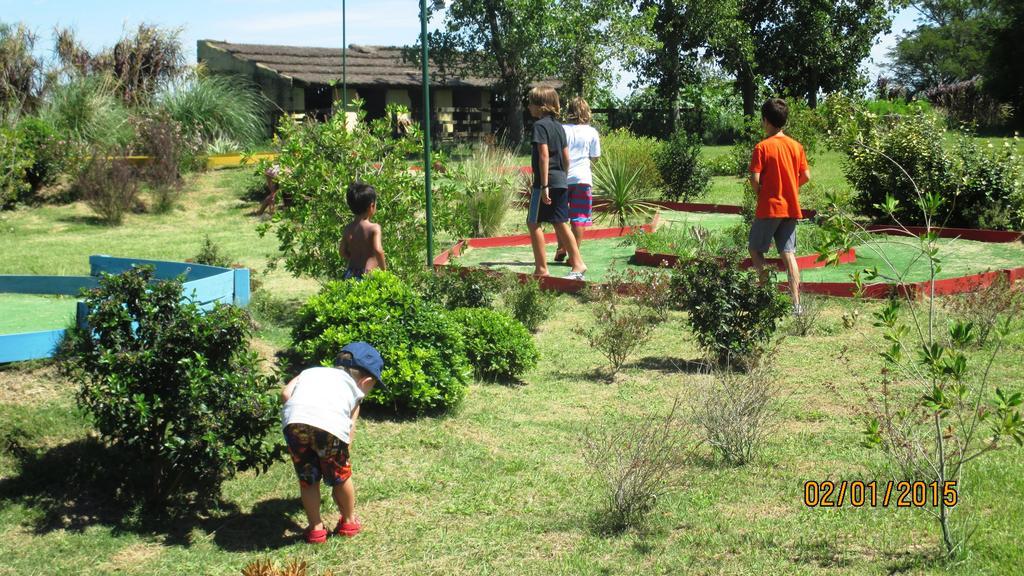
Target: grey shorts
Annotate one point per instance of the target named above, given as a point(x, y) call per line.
point(764, 230)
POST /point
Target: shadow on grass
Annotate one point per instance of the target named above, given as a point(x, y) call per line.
point(672, 365)
point(76, 486)
point(82, 219)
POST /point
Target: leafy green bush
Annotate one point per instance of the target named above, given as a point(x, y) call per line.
point(14, 164)
point(40, 140)
point(498, 346)
point(458, 287)
point(211, 254)
point(621, 326)
point(177, 391)
point(213, 107)
point(685, 175)
point(732, 315)
point(905, 158)
point(637, 152)
point(425, 366)
point(526, 302)
point(318, 162)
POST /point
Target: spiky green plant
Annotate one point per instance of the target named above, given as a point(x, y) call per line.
point(212, 107)
point(619, 192)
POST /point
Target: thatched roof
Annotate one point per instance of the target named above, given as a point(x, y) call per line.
point(366, 65)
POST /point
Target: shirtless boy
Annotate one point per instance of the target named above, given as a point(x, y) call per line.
point(361, 243)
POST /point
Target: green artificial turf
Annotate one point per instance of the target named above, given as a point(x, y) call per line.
point(32, 313)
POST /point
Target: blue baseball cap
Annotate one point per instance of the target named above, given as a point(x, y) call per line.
point(364, 357)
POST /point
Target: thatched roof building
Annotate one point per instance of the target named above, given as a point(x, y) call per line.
point(308, 80)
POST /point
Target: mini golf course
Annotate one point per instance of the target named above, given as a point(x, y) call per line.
point(31, 312)
point(965, 265)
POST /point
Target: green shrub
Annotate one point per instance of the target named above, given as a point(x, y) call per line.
point(318, 162)
point(732, 315)
point(479, 191)
point(685, 175)
point(87, 110)
point(619, 192)
point(425, 366)
point(109, 185)
point(214, 107)
point(177, 391)
point(211, 254)
point(40, 141)
point(637, 152)
point(527, 303)
point(14, 164)
point(498, 346)
point(160, 138)
point(458, 287)
point(904, 157)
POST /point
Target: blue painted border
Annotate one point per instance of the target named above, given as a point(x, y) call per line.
point(205, 285)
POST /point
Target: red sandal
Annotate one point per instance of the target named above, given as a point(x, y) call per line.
point(316, 536)
point(348, 529)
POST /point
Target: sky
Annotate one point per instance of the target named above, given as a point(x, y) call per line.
point(99, 23)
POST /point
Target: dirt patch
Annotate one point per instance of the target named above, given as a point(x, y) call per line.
point(131, 557)
point(32, 385)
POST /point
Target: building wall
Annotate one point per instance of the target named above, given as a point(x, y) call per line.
point(276, 88)
point(399, 96)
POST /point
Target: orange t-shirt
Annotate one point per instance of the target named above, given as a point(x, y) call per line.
point(780, 160)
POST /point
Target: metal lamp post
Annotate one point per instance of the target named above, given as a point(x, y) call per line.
point(427, 164)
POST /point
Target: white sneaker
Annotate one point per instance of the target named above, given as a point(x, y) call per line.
point(798, 310)
point(575, 276)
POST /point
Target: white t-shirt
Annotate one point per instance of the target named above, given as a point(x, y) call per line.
point(584, 144)
point(323, 397)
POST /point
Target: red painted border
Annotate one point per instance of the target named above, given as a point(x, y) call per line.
point(976, 234)
point(644, 258)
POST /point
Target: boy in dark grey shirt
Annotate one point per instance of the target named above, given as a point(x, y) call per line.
point(549, 200)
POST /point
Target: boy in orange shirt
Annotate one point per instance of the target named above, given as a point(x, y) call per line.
point(778, 168)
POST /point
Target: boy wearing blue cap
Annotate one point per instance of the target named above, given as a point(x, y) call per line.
point(321, 406)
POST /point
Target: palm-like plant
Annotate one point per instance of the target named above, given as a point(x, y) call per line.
point(619, 192)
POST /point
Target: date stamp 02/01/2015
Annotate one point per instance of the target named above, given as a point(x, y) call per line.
point(900, 494)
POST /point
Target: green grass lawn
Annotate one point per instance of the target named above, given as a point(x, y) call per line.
point(31, 313)
point(499, 486)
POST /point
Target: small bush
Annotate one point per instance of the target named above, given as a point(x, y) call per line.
point(160, 138)
point(619, 192)
point(986, 308)
point(526, 302)
point(723, 165)
point(685, 175)
point(636, 463)
point(807, 321)
point(735, 412)
point(177, 391)
point(637, 152)
point(14, 165)
point(109, 185)
point(458, 287)
point(480, 191)
point(211, 254)
point(732, 315)
point(498, 346)
point(620, 327)
point(40, 141)
point(425, 366)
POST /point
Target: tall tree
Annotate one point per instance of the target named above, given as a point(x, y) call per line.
point(590, 34)
point(1005, 66)
point(679, 29)
point(950, 44)
point(819, 45)
point(511, 40)
point(22, 77)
